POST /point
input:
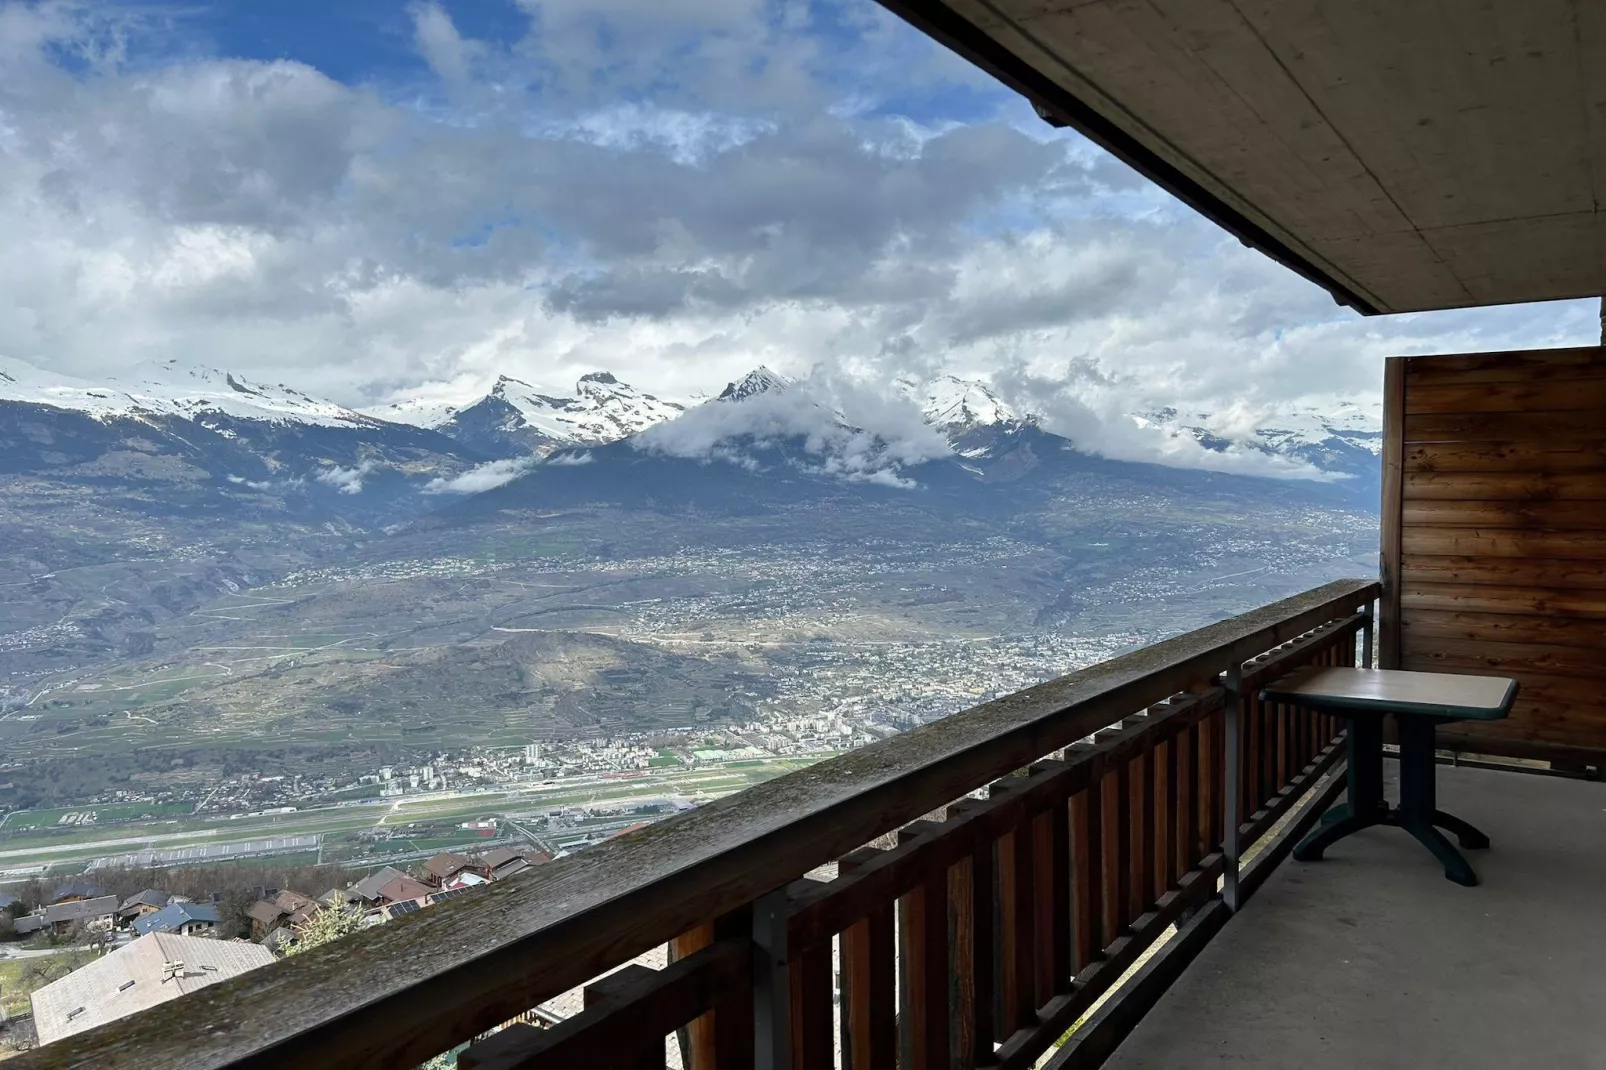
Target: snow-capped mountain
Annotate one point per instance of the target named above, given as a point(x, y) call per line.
point(949, 402)
point(172, 439)
point(1343, 438)
point(760, 380)
point(516, 419)
point(168, 388)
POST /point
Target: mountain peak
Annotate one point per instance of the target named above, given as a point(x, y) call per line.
point(760, 380)
point(950, 403)
point(515, 418)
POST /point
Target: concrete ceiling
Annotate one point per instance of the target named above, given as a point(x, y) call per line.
point(1405, 154)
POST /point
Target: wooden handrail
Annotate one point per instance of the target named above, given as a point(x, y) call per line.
point(397, 994)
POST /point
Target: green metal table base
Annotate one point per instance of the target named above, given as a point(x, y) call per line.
point(1415, 814)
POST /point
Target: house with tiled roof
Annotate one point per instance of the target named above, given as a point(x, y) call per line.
point(402, 888)
point(446, 865)
point(285, 909)
point(504, 862)
point(88, 915)
point(152, 969)
point(140, 904)
point(367, 889)
point(185, 919)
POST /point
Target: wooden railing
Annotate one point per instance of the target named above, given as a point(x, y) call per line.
point(1043, 843)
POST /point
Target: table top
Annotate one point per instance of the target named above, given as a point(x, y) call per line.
point(1427, 694)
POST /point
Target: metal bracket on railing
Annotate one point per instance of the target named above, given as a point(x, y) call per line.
point(1233, 714)
point(772, 1000)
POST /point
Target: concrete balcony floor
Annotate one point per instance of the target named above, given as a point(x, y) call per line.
point(1371, 959)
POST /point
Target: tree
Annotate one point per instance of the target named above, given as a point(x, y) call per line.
point(328, 924)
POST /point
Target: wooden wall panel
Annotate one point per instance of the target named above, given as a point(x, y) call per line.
point(1494, 536)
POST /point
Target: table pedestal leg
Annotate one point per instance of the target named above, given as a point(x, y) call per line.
point(1417, 814)
point(1365, 807)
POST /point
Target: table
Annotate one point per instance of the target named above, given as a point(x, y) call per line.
point(1420, 702)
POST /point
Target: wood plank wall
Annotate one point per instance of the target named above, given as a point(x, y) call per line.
point(1494, 538)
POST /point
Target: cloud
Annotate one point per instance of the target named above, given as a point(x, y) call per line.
point(486, 476)
point(673, 192)
point(346, 480)
point(571, 460)
point(843, 430)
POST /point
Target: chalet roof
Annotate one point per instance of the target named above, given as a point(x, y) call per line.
point(264, 911)
point(289, 901)
point(367, 889)
point(502, 856)
point(174, 916)
point(80, 909)
point(508, 869)
point(1400, 156)
point(78, 889)
point(150, 897)
point(498, 856)
point(130, 979)
point(403, 888)
point(445, 864)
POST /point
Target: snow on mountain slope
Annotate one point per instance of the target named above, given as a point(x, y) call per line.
point(1292, 428)
point(949, 401)
point(168, 388)
point(517, 419)
point(1340, 438)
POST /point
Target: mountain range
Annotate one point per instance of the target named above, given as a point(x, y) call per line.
point(173, 440)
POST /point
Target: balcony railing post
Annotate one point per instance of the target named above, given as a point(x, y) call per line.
point(772, 1000)
point(1232, 789)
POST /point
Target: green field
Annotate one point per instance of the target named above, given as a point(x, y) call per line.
point(103, 815)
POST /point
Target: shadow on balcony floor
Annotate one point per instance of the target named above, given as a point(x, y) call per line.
point(1372, 959)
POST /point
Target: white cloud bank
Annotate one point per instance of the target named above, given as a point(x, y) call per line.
point(844, 431)
point(487, 476)
point(346, 480)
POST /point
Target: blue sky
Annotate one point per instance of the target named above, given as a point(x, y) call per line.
point(381, 200)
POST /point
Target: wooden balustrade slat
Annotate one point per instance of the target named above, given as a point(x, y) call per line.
point(1111, 831)
point(1143, 877)
point(809, 991)
point(983, 965)
point(1209, 830)
point(961, 965)
point(1057, 857)
point(869, 989)
point(1087, 879)
point(1042, 958)
point(1188, 791)
point(1167, 798)
point(923, 1012)
point(1017, 935)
